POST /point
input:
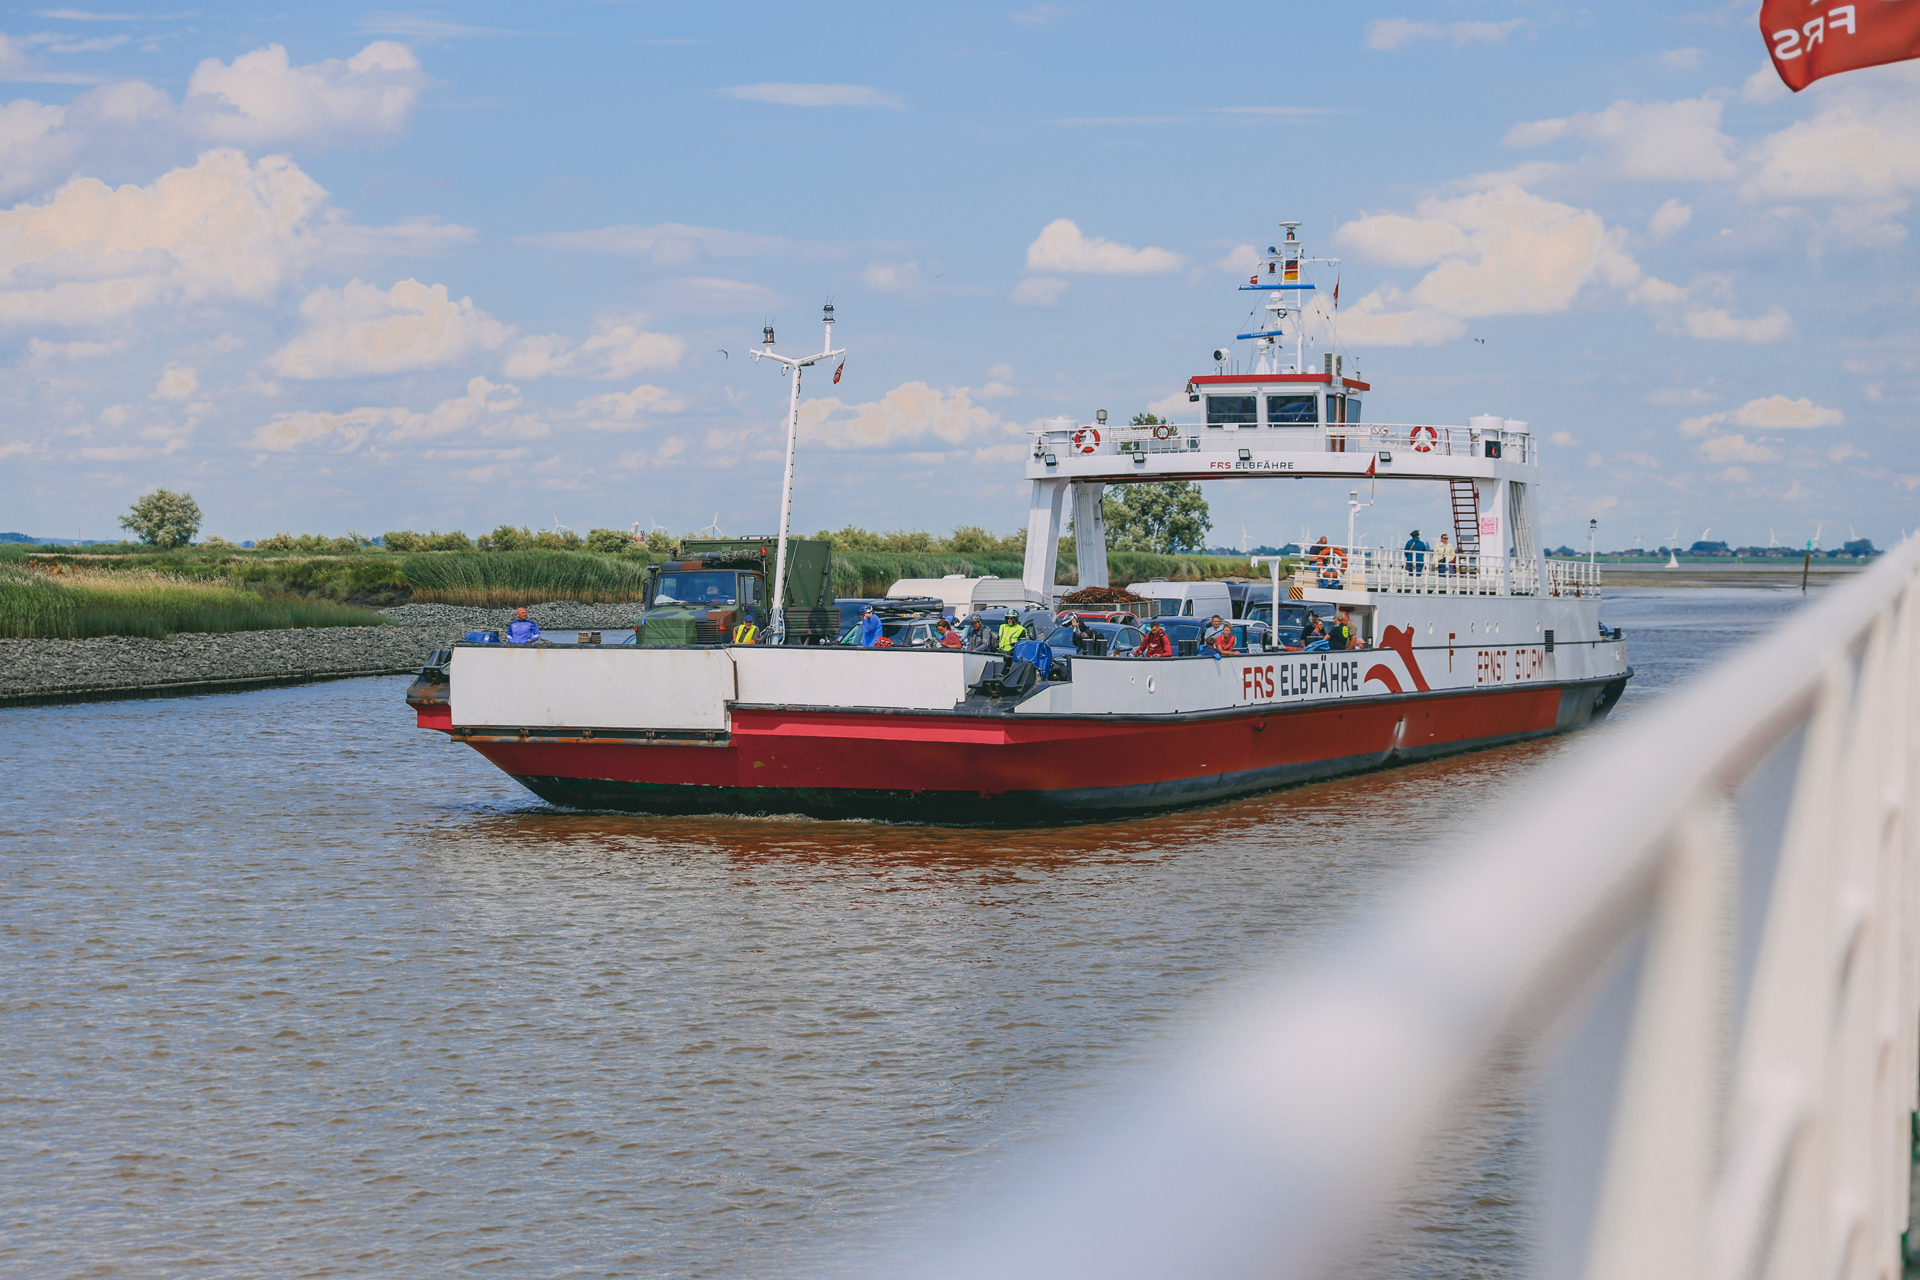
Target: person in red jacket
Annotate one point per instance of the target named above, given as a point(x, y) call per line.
point(1158, 644)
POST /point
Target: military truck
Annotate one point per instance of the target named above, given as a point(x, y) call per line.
point(716, 583)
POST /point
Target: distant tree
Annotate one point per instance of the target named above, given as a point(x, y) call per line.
point(164, 519)
point(608, 541)
point(1859, 547)
point(1166, 516)
point(507, 538)
point(1708, 549)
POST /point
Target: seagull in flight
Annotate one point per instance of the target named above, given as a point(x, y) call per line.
point(723, 352)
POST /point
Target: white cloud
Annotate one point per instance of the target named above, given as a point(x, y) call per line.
point(1242, 259)
point(261, 98)
point(1722, 325)
point(1061, 246)
point(1734, 448)
point(1039, 291)
point(717, 293)
point(1764, 85)
point(487, 406)
point(626, 410)
point(360, 330)
point(1561, 438)
point(1683, 59)
point(1862, 142)
point(177, 382)
point(1657, 141)
point(1395, 33)
point(343, 432)
point(1678, 395)
point(910, 412)
point(670, 244)
point(42, 354)
point(1499, 252)
point(618, 348)
point(891, 277)
point(816, 95)
point(225, 228)
point(1670, 217)
point(1776, 412)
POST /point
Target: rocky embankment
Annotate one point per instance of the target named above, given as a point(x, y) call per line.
point(33, 671)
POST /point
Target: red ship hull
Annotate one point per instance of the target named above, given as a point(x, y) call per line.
point(992, 769)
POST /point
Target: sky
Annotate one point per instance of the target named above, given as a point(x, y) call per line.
point(365, 269)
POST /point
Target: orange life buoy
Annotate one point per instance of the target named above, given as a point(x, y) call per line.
point(1423, 446)
point(1087, 439)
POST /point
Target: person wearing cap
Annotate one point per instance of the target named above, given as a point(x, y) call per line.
point(869, 628)
point(1341, 634)
point(978, 638)
point(1416, 550)
point(1157, 644)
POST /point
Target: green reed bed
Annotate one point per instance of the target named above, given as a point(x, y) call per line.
point(81, 605)
point(498, 578)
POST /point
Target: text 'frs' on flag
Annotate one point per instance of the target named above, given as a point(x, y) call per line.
point(1808, 39)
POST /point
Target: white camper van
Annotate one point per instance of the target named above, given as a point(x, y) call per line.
point(1186, 599)
point(963, 594)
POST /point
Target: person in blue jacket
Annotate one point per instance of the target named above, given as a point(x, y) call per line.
point(869, 628)
point(1416, 550)
point(520, 630)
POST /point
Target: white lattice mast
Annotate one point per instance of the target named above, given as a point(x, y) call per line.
point(777, 615)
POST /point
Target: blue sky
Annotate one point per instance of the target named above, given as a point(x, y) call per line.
point(450, 268)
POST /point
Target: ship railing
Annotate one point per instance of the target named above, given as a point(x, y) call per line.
point(1695, 1006)
point(1413, 439)
point(1573, 578)
point(1381, 569)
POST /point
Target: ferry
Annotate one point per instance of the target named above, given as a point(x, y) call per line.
point(1499, 645)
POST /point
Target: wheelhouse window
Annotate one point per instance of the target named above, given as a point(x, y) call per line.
point(1233, 411)
point(1353, 408)
point(694, 588)
point(1285, 411)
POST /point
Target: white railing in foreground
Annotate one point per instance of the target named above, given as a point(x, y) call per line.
point(1714, 910)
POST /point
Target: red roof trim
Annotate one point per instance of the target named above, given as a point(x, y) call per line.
point(1228, 379)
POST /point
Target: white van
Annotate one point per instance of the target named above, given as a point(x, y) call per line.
point(963, 594)
point(1186, 599)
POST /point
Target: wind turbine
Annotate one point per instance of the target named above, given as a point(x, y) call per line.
point(1246, 543)
point(557, 526)
point(713, 530)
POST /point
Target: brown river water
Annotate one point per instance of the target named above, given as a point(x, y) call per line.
point(295, 989)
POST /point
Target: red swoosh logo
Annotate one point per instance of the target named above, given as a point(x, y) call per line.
point(1400, 640)
point(1384, 676)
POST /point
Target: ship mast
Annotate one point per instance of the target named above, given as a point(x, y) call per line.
point(777, 608)
point(1278, 274)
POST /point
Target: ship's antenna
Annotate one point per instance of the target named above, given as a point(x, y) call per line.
point(777, 614)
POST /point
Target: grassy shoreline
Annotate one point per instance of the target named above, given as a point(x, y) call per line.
point(82, 604)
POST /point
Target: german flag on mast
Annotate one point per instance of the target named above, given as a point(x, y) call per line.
point(1808, 41)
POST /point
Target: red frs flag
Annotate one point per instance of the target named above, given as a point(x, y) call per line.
point(1373, 464)
point(1809, 39)
point(836, 372)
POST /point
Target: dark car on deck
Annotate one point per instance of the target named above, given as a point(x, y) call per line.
point(1121, 640)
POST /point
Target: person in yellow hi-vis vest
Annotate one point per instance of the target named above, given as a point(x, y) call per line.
point(746, 633)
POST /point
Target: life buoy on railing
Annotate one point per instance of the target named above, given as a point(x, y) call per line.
point(1333, 567)
point(1163, 431)
point(1423, 446)
point(1087, 439)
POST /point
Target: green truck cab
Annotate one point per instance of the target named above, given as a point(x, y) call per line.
point(718, 583)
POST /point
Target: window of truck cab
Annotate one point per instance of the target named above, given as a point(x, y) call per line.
point(705, 587)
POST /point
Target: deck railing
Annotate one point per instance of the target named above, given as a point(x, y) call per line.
point(1413, 439)
point(1393, 572)
point(1704, 926)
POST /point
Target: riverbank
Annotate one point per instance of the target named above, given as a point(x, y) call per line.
point(38, 672)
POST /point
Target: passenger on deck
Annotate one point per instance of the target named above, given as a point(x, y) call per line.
point(1011, 632)
point(1158, 644)
point(1446, 561)
point(1343, 635)
point(979, 639)
point(1222, 640)
point(949, 637)
point(1211, 632)
point(1313, 637)
point(520, 630)
point(870, 628)
point(1416, 554)
point(746, 632)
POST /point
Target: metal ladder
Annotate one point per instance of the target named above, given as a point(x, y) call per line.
point(1466, 521)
